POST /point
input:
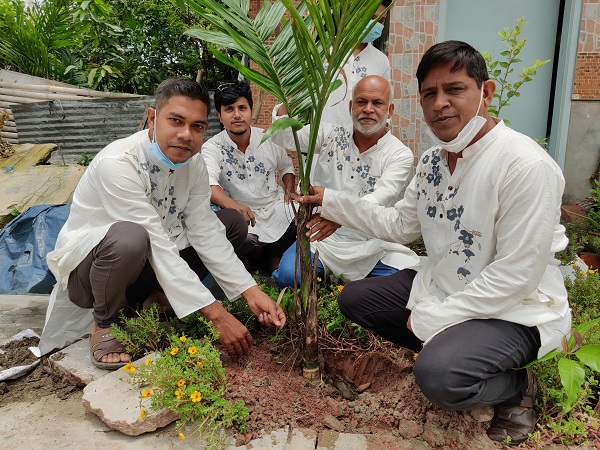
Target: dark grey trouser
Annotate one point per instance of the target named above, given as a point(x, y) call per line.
point(117, 274)
point(467, 366)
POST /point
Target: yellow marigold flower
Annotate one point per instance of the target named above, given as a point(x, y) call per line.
point(192, 350)
point(415, 356)
point(319, 280)
point(573, 265)
point(181, 436)
point(196, 396)
point(142, 414)
point(181, 383)
point(582, 272)
point(183, 338)
point(340, 288)
point(199, 364)
point(591, 272)
point(148, 361)
point(178, 393)
point(146, 393)
point(174, 351)
point(129, 367)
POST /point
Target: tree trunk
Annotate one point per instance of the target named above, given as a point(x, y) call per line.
point(308, 298)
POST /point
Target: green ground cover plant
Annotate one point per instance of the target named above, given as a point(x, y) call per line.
point(188, 378)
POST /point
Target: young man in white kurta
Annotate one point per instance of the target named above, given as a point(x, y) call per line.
point(238, 163)
point(159, 189)
point(377, 174)
point(491, 297)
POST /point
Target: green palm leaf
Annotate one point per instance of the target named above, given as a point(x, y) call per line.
point(302, 62)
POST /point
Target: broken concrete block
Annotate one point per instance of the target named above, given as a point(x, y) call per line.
point(117, 403)
point(74, 363)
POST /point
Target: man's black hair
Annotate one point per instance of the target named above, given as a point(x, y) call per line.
point(228, 93)
point(460, 53)
point(180, 86)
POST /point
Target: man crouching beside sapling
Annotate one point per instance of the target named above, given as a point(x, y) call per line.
point(141, 227)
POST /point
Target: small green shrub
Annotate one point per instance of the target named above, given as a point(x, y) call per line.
point(568, 379)
point(500, 70)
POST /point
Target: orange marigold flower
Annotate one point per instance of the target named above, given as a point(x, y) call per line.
point(181, 436)
point(199, 364)
point(142, 414)
point(174, 351)
point(148, 361)
point(192, 350)
point(183, 338)
point(146, 393)
point(196, 396)
point(340, 288)
point(178, 393)
point(181, 383)
point(129, 367)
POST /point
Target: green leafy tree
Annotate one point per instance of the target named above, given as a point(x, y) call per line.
point(115, 45)
point(290, 45)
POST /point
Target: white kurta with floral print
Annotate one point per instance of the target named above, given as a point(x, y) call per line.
point(250, 177)
point(125, 183)
point(377, 175)
point(370, 61)
point(491, 230)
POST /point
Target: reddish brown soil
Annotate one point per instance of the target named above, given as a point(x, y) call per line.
point(277, 396)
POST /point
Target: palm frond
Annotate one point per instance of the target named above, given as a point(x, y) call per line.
point(299, 57)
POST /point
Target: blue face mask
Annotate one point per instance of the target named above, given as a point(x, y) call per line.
point(375, 33)
point(160, 156)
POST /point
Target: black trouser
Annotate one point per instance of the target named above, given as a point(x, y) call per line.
point(467, 366)
point(117, 274)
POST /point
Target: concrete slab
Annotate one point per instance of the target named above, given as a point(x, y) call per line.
point(332, 440)
point(19, 312)
point(117, 403)
point(74, 364)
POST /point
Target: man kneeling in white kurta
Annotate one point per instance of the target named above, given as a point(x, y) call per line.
point(238, 162)
point(368, 162)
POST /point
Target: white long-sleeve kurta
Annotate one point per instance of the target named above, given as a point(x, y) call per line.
point(370, 61)
point(125, 183)
point(491, 230)
point(378, 176)
point(250, 179)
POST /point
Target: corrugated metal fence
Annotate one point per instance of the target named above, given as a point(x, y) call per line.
point(76, 120)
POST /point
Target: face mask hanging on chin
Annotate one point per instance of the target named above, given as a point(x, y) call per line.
point(466, 135)
point(159, 155)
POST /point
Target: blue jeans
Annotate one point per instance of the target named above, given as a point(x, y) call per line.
point(284, 275)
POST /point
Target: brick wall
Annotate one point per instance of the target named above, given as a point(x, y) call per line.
point(586, 85)
point(414, 29)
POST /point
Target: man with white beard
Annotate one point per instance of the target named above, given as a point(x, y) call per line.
point(366, 162)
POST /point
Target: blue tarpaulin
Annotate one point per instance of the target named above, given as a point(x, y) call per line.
point(24, 244)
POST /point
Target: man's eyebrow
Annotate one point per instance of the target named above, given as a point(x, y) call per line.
point(179, 116)
point(444, 85)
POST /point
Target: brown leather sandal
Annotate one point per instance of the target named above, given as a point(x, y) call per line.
point(103, 343)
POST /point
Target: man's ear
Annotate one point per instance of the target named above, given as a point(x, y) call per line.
point(391, 110)
point(489, 87)
point(350, 107)
point(151, 113)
